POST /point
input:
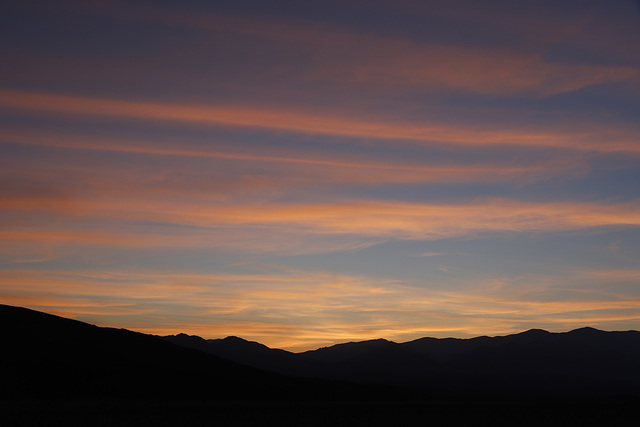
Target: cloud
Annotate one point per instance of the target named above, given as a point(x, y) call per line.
point(403, 63)
point(408, 220)
point(430, 254)
point(273, 167)
point(442, 68)
point(316, 227)
point(591, 138)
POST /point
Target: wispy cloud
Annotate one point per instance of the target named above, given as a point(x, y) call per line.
point(322, 123)
point(221, 223)
point(430, 254)
point(291, 168)
point(408, 64)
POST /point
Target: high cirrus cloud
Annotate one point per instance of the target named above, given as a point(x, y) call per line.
point(404, 64)
point(590, 137)
point(374, 219)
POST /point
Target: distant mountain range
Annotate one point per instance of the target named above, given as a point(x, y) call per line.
point(47, 356)
point(582, 362)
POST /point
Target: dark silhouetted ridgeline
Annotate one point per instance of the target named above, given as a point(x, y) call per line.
point(585, 362)
point(61, 372)
point(46, 356)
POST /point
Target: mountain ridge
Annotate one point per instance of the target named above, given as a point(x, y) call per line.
point(50, 355)
point(584, 361)
point(528, 333)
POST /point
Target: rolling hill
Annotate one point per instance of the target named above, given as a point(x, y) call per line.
point(582, 362)
point(46, 356)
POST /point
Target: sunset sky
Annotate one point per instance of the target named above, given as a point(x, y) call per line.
point(307, 173)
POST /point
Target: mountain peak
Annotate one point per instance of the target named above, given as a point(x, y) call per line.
point(534, 332)
point(234, 338)
point(183, 335)
point(238, 342)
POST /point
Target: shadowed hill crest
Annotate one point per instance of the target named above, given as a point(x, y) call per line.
point(50, 356)
point(584, 361)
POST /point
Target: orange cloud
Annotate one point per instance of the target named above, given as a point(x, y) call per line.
point(380, 218)
point(589, 139)
point(297, 168)
point(238, 224)
point(485, 71)
point(616, 274)
point(404, 63)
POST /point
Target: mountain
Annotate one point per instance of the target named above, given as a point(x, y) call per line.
point(59, 371)
point(583, 362)
point(246, 352)
point(46, 356)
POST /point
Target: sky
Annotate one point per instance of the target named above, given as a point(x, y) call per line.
point(308, 173)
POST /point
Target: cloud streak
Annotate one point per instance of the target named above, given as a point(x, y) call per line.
point(298, 164)
point(220, 224)
point(604, 140)
point(408, 64)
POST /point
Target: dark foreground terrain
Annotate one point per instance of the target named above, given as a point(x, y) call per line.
point(193, 413)
point(61, 372)
point(585, 362)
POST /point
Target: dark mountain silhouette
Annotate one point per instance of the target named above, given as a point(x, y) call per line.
point(50, 356)
point(58, 371)
point(246, 352)
point(46, 356)
point(583, 362)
